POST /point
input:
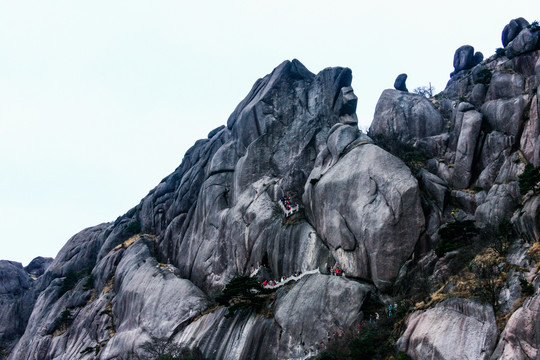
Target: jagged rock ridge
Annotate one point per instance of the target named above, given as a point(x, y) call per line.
point(156, 270)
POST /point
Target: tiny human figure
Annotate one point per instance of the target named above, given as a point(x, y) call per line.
point(370, 319)
point(390, 310)
point(376, 316)
point(265, 283)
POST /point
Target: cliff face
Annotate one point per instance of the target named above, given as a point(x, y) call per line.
point(156, 271)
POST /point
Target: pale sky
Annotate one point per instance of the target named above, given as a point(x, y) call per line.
point(100, 100)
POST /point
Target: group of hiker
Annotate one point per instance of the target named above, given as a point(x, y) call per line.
point(335, 271)
point(286, 201)
point(275, 282)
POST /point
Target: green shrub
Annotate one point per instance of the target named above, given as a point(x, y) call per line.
point(411, 156)
point(483, 77)
point(534, 26)
point(242, 292)
point(527, 289)
point(133, 228)
point(403, 356)
point(528, 179)
point(455, 235)
point(500, 52)
point(70, 280)
point(62, 322)
point(89, 283)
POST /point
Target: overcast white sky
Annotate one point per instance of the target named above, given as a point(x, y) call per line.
point(99, 100)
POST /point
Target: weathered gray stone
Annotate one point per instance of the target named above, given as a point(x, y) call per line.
point(374, 238)
point(455, 329)
point(346, 101)
point(520, 339)
point(433, 146)
point(16, 302)
point(463, 58)
point(478, 95)
point(505, 86)
point(527, 222)
point(531, 131)
point(406, 116)
point(500, 203)
point(331, 302)
point(38, 266)
point(511, 30)
point(495, 150)
point(399, 84)
point(434, 186)
point(506, 115)
point(470, 129)
point(527, 40)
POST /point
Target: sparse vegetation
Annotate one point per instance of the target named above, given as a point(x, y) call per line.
point(529, 179)
point(242, 292)
point(499, 237)
point(527, 289)
point(427, 91)
point(411, 156)
point(500, 52)
point(455, 235)
point(89, 283)
point(133, 228)
point(483, 77)
point(534, 26)
point(62, 323)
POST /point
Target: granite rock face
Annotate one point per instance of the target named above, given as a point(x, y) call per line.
point(452, 330)
point(154, 271)
point(405, 116)
point(16, 302)
point(520, 339)
point(374, 237)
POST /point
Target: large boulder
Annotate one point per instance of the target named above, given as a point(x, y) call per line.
point(372, 226)
point(399, 84)
point(506, 115)
point(455, 329)
point(468, 137)
point(38, 266)
point(317, 306)
point(406, 116)
point(465, 58)
point(513, 28)
point(527, 40)
point(304, 314)
point(505, 86)
point(520, 339)
point(500, 203)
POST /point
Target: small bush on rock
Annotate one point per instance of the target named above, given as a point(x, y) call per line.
point(529, 179)
point(527, 289)
point(483, 77)
point(455, 235)
point(500, 52)
point(411, 156)
point(242, 292)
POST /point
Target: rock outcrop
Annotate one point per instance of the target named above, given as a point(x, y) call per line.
point(399, 84)
point(371, 205)
point(454, 329)
point(16, 302)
